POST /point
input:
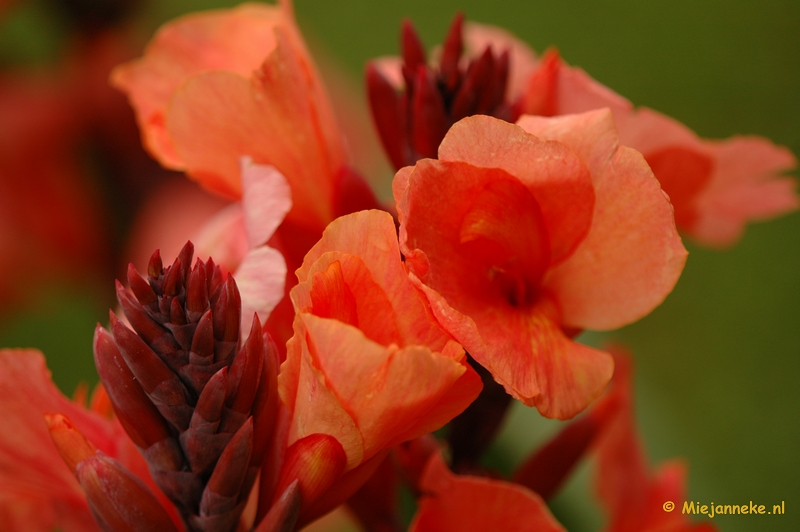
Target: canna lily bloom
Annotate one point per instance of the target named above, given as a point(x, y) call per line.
point(368, 364)
point(218, 85)
point(467, 503)
point(37, 492)
point(716, 187)
point(519, 235)
point(632, 495)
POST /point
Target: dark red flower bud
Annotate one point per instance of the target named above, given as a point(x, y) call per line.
point(412, 122)
point(196, 404)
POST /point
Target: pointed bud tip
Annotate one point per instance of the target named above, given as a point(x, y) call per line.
point(73, 447)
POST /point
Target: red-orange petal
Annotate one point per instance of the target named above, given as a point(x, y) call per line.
point(475, 504)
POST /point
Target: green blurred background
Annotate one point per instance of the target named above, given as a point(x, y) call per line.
point(718, 363)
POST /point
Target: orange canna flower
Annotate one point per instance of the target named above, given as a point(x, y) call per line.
point(715, 186)
point(520, 240)
point(215, 86)
point(475, 504)
point(368, 364)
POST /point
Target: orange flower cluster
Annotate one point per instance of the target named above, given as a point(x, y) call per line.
point(531, 204)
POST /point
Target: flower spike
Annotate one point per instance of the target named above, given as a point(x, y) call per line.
point(199, 408)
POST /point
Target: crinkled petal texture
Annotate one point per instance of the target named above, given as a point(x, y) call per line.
point(475, 504)
point(715, 186)
point(514, 237)
point(217, 105)
point(38, 492)
point(368, 363)
point(633, 497)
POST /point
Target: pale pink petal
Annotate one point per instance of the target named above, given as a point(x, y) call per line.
point(223, 237)
point(522, 58)
point(237, 40)
point(260, 278)
point(648, 131)
point(632, 257)
point(266, 198)
point(176, 211)
point(744, 187)
point(742, 183)
point(578, 93)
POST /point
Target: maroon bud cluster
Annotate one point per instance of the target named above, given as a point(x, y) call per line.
point(413, 122)
point(200, 406)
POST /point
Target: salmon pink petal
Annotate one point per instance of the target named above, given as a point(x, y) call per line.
point(236, 40)
point(632, 256)
point(314, 407)
point(344, 281)
point(577, 93)
point(266, 199)
point(223, 237)
point(473, 504)
point(477, 37)
point(386, 390)
point(279, 117)
point(462, 393)
point(260, 277)
point(559, 181)
point(371, 236)
point(744, 187)
point(529, 354)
